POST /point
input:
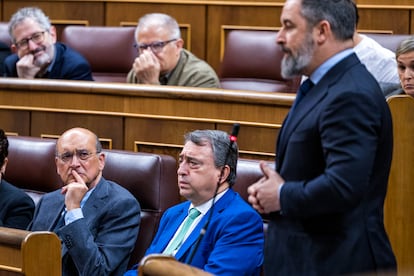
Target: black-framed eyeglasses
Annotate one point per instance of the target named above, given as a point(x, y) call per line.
point(37, 37)
point(82, 155)
point(156, 46)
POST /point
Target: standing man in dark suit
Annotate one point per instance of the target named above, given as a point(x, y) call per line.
point(96, 219)
point(333, 153)
point(38, 55)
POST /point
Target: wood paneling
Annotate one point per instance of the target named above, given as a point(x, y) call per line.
point(205, 19)
point(376, 19)
point(108, 128)
point(16, 121)
point(91, 11)
point(144, 117)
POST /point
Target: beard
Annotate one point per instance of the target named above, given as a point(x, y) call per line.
point(294, 65)
point(42, 60)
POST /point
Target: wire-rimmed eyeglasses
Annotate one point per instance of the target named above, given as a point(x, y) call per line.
point(37, 37)
point(81, 155)
point(156, 47)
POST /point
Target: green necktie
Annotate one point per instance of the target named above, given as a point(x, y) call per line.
point(178, 240)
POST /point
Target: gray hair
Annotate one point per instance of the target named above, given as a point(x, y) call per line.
point(220, 145)
point(406, 46)
point(159, 19)
point(341, 15)
point(30, 12)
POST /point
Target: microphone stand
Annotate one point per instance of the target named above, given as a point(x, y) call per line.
point(233, 138)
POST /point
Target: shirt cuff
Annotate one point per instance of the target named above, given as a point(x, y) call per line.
point(73, 215)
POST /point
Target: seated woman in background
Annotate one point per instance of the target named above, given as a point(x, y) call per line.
point(16, 207)
point(405, 64)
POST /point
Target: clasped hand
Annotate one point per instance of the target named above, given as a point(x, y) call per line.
point(264, 194)
point(147, 68)
point(74, 192)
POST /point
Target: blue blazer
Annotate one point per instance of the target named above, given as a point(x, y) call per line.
point(16, 207)
point(102, 241)
point(68, 65)
point(232, 245)
point(334, 155)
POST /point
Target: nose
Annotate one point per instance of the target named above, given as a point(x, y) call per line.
point(408, 74)
point(280, 39)
point(182, 168)
point(74, 162)
point(32, 45)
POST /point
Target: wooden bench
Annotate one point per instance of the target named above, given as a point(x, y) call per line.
point(29, 253)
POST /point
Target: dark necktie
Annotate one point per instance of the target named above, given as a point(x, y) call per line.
point(60, 222)
point(303, 90)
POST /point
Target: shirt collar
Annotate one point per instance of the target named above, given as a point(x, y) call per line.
point(318, 74)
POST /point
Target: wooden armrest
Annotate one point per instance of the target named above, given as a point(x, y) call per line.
point(162, 265)
point(29, 253)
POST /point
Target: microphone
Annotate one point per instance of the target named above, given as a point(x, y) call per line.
point(233, 138)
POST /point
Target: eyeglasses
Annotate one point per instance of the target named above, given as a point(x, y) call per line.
point(37, 37)
point(82, 155)
point(156, 47)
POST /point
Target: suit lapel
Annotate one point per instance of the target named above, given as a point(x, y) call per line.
point(171, 227)
point(55, 217)
point(220, 205)
point(95, 202)
point(314, 96)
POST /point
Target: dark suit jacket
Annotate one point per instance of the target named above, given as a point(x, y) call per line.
point(69, 65)
point(16, 207)
point(232, 244)
point(101, 242)
point(335, 155)
point(5, 51)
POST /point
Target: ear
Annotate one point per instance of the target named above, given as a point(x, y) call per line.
point(56, 165)
point(13, 48)
point(53, 34)
point(226, 173)
point(179, 43)
point(101, 159)
point(322, 31)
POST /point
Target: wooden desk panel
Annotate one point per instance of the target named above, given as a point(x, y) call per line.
point(142, 117)
point(16, 121)
point(93, 12)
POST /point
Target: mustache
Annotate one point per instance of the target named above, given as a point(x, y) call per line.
point(38, 49)
point(285, 49)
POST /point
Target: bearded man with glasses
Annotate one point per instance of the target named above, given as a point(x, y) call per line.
point(96, 219)
point(37, 54)
point(161, 58)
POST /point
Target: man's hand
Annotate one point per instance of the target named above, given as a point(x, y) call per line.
point(147, 68)
point(26, 68)
point(74, 192)
point(264, 194)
